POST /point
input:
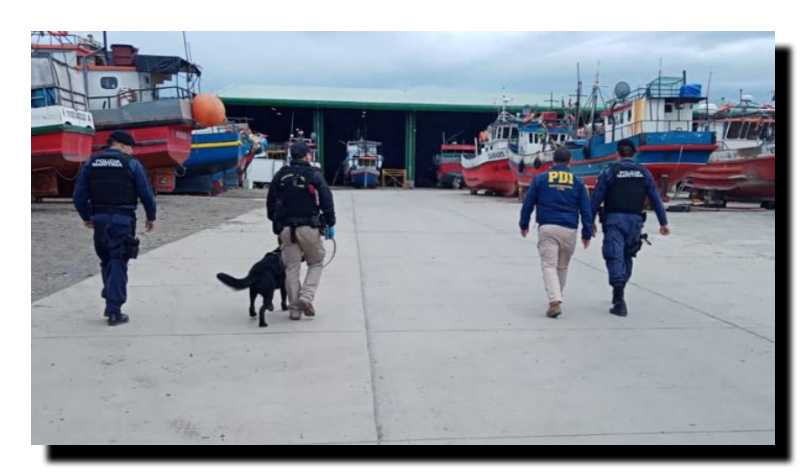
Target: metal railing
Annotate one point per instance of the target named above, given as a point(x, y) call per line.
point(69, 96)
point(142, 95)
point(639, 127)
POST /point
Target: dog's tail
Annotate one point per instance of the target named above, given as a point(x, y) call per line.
point(234, 283)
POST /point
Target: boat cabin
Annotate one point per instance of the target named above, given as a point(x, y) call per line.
point(121, 76)
point(665, 105)
point(364, 154)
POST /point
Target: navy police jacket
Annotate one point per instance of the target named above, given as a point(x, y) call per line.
point(81, 196)
point(560, 198)
point(606, 179)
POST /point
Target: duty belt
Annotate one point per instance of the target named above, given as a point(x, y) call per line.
point(101, 210)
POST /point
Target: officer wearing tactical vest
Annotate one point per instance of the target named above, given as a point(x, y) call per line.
point(105, 197)
point(623, 188)
point(300, 206)
point(560, 198)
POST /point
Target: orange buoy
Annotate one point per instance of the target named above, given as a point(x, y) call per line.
point(208, 110)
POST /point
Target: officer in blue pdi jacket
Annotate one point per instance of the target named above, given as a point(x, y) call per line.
point(560, 197)
point(106, 195)
point(623, 188)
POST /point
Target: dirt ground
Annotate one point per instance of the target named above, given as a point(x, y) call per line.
point(62, 253)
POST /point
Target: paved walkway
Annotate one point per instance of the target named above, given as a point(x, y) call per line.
point(430, 331)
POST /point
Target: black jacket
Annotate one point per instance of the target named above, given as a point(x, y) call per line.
point(325, 196)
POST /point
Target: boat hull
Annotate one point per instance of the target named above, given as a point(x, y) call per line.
point(157, 146)
point(749, 179)
point(211, 153)
point(210, 184)
point(57, 153)
point(364, 178)
point(669, 157)
point(60, 147)
point(668, 164)
point(448, 173)
point(494, 176)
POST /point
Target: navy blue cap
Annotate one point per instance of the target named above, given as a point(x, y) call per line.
point(299, 149)
point(626, 143)
point(122, 137)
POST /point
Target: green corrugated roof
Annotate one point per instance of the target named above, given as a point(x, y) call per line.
point(392, 99)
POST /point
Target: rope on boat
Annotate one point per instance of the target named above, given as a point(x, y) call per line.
point(63, 177)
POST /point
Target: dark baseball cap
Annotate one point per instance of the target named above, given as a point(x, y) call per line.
point(299, 149)
point(122, 137)
point(626, 143)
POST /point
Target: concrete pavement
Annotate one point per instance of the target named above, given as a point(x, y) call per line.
point(430, 331)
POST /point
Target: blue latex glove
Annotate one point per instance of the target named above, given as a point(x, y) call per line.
point(329, 233)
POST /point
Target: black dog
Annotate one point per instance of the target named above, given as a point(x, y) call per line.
point(264, 278)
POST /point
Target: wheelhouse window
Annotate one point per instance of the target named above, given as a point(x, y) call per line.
point(753, 131)
point(744, 130)
point(669, 108)
point(629, 118)
point(109, 82)
point(734, 130)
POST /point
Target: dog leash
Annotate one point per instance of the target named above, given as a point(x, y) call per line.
point(335, 250)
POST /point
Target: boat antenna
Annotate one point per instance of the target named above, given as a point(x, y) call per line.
point(186, 58)
point(293, 117)
point(578, 93)
point(707, 98)
point(106, 49)
point(453, 137)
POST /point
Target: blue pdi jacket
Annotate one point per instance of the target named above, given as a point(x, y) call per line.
point(560, 198)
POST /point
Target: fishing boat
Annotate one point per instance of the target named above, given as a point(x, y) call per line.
point(538, 134)
point(363, 164)
point(448, 164)
point(489, 168)
point(254, 144)
point(742, 169)
point(657, 119)
point(214, 149)
point(138, 93)
point(61, 127)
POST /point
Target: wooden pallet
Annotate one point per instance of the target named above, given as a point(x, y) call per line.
point(396, 178)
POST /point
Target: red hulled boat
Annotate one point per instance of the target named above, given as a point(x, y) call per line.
point(743, 169)
point(489, 168)
point(125, 91)
point(448, 164)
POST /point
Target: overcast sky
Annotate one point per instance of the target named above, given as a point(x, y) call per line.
point(537, 62)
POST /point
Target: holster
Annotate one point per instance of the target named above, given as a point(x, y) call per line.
point(635, 248)
point(132, 247)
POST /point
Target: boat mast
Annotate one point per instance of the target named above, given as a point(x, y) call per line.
point(707, 100)
point(595, 101)
point(578, 95)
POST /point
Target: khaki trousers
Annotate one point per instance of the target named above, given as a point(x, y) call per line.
point(310, 246)
point(556, 247)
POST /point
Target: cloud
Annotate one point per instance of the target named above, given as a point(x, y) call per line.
point(540, 62)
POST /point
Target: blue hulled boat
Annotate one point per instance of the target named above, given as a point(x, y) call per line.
point(657, 119)
point(363, 164)
point(214, 150)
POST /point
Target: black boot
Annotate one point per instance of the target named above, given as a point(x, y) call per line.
point(117, 318)
point(619, 302)
point(618, 295)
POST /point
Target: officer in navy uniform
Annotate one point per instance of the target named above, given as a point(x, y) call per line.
point(300, 206)
point(106, 195)
point(623, 188)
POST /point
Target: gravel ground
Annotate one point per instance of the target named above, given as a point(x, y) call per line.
point(62, 253)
